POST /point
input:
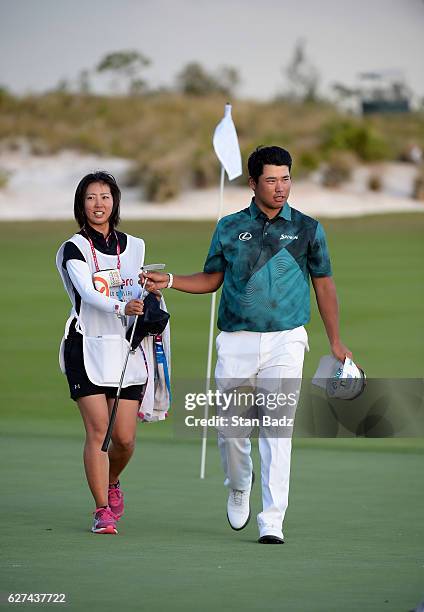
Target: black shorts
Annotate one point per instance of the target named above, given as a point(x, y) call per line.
point(79, 383)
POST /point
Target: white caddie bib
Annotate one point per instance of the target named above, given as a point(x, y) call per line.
point(104, 344)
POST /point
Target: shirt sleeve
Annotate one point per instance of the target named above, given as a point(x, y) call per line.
point(80, 276)
point(215, 261)
point(318, 256)
point(71, 251)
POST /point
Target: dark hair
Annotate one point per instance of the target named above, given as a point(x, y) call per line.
point(275, 156)
point(100, 176)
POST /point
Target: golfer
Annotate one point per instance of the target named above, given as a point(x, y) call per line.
point(93, 348)
point(265, 256)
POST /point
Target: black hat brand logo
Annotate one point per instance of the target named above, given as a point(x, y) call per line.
point(245, 236)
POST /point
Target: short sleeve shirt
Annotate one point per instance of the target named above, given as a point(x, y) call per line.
point(267, 265)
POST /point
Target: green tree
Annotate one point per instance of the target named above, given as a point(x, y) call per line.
point(228, 79)
point(126, 67)
point(302, 75)
point(195, 80)
point(62, 86)
point(84, 85)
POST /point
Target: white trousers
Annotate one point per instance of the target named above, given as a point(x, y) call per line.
point(271, 360)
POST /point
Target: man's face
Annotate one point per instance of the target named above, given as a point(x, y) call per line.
point(272, 189)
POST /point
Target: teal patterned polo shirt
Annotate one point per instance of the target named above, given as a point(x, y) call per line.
point(267, 265)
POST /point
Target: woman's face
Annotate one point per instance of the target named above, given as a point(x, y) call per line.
point(98, 204)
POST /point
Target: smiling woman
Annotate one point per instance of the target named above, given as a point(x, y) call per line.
point(97, 202)
point(94, 344)
point(98, 206)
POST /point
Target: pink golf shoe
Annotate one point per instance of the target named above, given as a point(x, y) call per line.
point(104, 521)
point(116, 500)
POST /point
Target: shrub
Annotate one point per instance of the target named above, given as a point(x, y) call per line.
point(4, 178)
point(418, 192)
point(375, 182)
point(338, 169)
point(160, 182)
point(164, 177)
point(133, 176)
point(305, 163)
point(205, 169)
point(145, 129)
point(360, 138)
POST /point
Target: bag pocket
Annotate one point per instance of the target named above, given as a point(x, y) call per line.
point(104, 358)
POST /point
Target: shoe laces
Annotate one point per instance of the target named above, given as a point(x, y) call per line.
point(237, 497)
point(115, 494)
point(104, 513)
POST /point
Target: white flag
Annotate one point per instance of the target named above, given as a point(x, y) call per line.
point(225, 143)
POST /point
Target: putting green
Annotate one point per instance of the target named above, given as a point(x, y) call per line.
point(353, 531)
point(354, 528)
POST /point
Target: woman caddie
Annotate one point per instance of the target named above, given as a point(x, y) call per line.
point(93, 348)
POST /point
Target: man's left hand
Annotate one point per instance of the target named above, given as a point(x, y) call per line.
point(340, 351)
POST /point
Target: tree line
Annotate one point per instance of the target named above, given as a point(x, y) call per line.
point(127, 70)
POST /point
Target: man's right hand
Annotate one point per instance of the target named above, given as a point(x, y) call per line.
point(201, 282)
point(155, 280)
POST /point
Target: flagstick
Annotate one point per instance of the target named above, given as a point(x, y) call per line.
point(210, 345)
point(221, 194)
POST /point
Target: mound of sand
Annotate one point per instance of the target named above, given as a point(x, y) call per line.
point(43, 188)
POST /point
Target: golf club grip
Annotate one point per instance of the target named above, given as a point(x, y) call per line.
point(108, 435)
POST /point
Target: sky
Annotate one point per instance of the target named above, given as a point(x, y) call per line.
point(44, 41)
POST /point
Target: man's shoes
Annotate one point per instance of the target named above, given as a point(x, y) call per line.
point(270, 531)
point(270, 539)
point(104, 521)
point(238, 507)
point(115, 498)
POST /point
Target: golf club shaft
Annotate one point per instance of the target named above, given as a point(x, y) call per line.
point(108, 435)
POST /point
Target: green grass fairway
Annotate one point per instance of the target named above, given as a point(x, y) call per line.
point(354, 529)
point(354, 533)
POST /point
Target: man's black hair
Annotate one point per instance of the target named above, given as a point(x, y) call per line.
point(99, 176)
point(275, 156)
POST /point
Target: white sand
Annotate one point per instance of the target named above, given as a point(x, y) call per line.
point(43, 188)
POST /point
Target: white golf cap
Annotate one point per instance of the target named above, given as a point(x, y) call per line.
point(340, 380)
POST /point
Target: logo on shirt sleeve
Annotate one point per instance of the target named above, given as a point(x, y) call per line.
point(245, 236)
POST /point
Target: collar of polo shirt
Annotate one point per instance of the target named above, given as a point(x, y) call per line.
point(256, 212)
